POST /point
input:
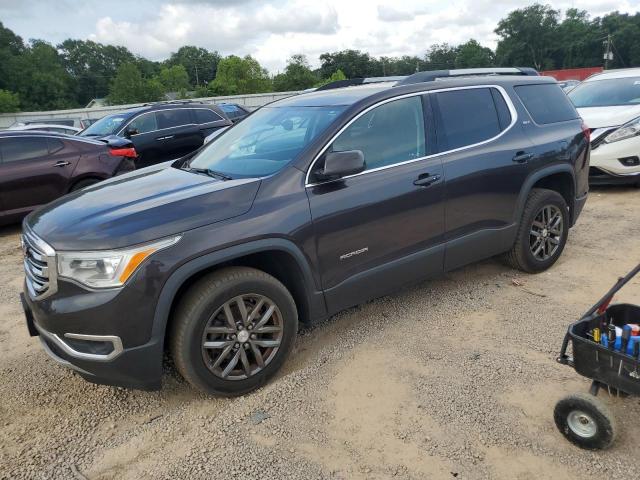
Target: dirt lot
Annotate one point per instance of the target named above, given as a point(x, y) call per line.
point(454, 378)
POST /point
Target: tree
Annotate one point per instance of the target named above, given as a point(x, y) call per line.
point(297, 75)
point(336, 76)
point(9, 102)
point(92, 66)
point(174, 79)
point(353, 63)
point(528, 37)
point(130, 87)
point(201, 65)
point(441, 57)
point(236, 76)
point(473, 55)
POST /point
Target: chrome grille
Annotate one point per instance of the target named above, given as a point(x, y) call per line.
point(39, 266)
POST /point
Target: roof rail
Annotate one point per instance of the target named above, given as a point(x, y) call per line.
point(359, 81)
point(169, 102)
point(432, 75)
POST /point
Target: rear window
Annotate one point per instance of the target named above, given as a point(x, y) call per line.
point(467, 117)
point(23, 148)
point(546, 103)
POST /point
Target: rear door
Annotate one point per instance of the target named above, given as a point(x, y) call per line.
point(34, 171)
point(485, 156)
point(382, 228)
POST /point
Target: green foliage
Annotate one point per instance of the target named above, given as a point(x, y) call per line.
point(130, 87)
point(297, 75)
point(174, 79)
point(9, 102)
point(200, 64)
point(473, 55)
point(353, 63)
point(335, 76)
point(441, 57)
point(236, 76)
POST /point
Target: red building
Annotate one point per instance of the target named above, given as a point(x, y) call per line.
point(572, 73)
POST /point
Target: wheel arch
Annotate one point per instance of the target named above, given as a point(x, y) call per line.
point(278, 257)
point(88, 176)
point(559, 178)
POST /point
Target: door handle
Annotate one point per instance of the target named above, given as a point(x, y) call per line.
point(522, 157)
point(425, 180)
point(165, 138)
point(61, 164)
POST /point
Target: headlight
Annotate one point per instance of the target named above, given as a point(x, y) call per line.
point(628, 130)
point(107, 268)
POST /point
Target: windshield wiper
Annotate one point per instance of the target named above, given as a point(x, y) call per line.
point(208, 171)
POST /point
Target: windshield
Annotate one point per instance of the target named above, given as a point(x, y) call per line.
point(105, 126)
point(607, 93)
point(265, 141)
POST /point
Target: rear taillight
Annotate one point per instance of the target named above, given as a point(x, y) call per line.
point(123, 152)
point(586, 131)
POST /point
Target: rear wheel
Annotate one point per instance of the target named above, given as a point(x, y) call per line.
point(585, 421)
point(542, 233)
point(84, 183)
point(233, 330)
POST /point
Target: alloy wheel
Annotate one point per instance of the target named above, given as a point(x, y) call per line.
point(242, 336)
point(546, 232)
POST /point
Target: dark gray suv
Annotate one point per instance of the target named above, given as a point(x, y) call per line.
point(310, 205)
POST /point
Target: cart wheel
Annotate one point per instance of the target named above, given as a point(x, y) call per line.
point(585, 421)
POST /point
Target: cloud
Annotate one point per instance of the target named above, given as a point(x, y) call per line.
point(390, 14)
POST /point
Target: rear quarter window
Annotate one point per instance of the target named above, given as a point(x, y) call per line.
point(546, 103)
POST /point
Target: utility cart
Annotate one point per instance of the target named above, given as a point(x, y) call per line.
point(606, 349)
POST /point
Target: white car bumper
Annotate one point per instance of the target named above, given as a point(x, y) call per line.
point(617, 159)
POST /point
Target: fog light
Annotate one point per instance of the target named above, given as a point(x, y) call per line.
point(629, 161)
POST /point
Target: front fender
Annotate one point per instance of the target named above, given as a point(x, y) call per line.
point(315, 297)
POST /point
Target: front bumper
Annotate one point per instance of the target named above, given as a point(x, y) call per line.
point(607, 158)
point(87, 335)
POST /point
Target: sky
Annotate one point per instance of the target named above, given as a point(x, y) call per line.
point(273, 30)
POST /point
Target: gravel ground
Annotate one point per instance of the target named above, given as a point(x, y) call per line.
point(454, 378)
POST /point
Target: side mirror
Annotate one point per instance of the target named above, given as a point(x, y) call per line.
point(341, 164)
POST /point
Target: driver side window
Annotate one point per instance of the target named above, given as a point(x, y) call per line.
point(143, 124)
point(389, 134)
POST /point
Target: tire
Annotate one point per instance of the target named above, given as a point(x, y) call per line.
point(585, 421)
point(84, 183)
point(201, 331)
point(521, 256)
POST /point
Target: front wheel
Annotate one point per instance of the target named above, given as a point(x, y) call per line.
point(233, 330)
point(542, 233)
point(585, 421)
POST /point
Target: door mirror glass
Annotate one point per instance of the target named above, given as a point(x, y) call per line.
point(341, 164)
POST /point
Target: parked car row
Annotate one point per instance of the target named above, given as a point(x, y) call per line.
point(41, 161)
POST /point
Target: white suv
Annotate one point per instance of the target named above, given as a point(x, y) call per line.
point(609, 103)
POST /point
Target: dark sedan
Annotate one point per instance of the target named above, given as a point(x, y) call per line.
point(38, 167)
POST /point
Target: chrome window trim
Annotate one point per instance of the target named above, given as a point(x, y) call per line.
point(503, 92)
point(114, 340)
point(167, 128)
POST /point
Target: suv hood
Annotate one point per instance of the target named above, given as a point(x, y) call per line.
point(599, 117)
point(144, 205)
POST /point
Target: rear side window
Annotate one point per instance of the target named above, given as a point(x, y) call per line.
point(467, 117)
point(55, 145)
point(204, 115)
point(232, 111)
point(546, 103)
point(173, 118)
point(25, 148)
point(388, 134)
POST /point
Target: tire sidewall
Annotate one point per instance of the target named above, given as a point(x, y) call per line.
point(192, 346)
point(604, 429)
point(550, 198)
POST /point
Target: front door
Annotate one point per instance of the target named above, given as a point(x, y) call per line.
point(384, 227)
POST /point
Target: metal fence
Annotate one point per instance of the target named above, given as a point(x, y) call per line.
point(251, 101)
